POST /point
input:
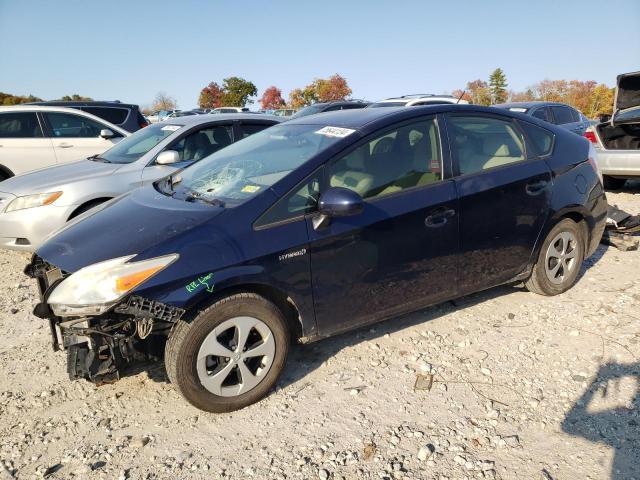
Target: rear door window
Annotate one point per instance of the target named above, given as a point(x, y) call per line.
point(542, 114)
point(562, 115)
point(67, 125)
point(20, 125)
point(480, 143)
point(117, 116)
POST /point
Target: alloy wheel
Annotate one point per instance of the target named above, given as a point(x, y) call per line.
point(235, 356)
point(560, 260)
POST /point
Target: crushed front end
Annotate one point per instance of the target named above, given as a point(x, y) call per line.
point(101, 346)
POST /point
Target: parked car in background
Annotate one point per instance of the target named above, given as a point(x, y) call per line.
point(617, 140)
point(313, 227)
point(418, 99)
point(37, 136)
point(329, 107)
point(178, 114)
point(37, 203)
point(230, 110)
point(143, 157)
point(552, 112)
point(124, 115)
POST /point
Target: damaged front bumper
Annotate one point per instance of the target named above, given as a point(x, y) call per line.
point(99, 348)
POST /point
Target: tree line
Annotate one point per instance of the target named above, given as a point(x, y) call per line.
point(9, 99)
point(590, 97)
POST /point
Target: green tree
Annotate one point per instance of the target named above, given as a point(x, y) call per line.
point(76, 98)
point(237, 92)
point(9, 99)
point(498, 86)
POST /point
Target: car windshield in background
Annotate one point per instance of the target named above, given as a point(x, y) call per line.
point(242, 170)
point(387, 104)
point(310, 110)
point(132, 148)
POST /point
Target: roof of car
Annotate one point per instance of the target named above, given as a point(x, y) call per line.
point(360, 117)
point(526, 104)
point(217, 117)
point(77, 103)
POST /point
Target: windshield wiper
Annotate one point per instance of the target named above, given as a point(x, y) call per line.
point(98, 158)
point(197, 197)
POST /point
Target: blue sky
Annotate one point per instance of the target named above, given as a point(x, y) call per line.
point(129, 50)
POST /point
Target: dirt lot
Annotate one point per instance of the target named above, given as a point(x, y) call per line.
point(525, 387)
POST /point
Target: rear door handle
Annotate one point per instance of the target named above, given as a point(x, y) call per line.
point(536, 187)
point(439, 217)
point(65, 145)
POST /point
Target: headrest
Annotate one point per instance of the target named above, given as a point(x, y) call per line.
point(495, 146)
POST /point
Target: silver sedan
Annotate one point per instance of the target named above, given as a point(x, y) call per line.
point(34, 205)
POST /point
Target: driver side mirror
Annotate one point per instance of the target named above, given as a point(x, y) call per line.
point(106, 133)
point(337, 202)
point(167, 157)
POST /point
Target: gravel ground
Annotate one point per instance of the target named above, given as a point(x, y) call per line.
point(524, 387)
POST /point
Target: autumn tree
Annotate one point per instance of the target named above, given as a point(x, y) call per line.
point(498, 86)
point(9, 99)
point(236, 92)
point(479, 92)
point(272, 99)
point(331, 89)
point(76, 98)
point(165, 102)
point(462, 95)
point(210, 96)
point(296, 99)
point(600, 102)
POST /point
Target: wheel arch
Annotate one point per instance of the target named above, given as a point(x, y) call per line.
point(580, 215)
point(6, 172)
point(279, 298)
point(83, 207)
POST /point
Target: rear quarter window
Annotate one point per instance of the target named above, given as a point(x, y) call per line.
point(539, 140)
point(110, 114)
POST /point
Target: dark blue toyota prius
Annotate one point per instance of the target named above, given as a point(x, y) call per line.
point(314, 227)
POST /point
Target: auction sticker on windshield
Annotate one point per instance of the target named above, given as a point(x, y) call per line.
point(337, 132)
point(171, 128)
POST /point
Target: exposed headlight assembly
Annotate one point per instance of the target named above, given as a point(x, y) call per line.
point(94, 289)
point(30, 201)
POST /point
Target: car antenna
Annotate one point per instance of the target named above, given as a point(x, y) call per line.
point(460, 97)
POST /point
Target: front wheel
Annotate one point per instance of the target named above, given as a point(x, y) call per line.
point(230, 355)
point(560, 259)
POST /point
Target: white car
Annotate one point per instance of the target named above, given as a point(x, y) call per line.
point(37, 136)
point(416, 100)
point(617, 140)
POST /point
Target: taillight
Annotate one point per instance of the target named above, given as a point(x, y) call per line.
point(591, 136)
point(144, 124)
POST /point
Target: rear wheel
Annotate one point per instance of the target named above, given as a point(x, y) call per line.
point(230, 355)
point(559, 261)
point(612, 183)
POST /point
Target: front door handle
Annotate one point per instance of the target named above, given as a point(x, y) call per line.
point(65, 145)
point(439, 217)
point(535, 188)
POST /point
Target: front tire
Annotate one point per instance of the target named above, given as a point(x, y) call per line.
point(560, 259)
point(230, 355)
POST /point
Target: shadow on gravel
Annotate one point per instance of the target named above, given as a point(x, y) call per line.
point(617, 426)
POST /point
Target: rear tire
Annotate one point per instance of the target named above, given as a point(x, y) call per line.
point(612, 183)
point(230, 355)
point(559, 261)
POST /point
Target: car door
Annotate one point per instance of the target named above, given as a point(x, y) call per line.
point(400, 252)
point(504, 198)
point(23, 147)
point(75, 137)
point(192, 147)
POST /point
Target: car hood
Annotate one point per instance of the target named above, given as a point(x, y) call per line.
point(127, 225)
point(627, 92)
point(50, 178)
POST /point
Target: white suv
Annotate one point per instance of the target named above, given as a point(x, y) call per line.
point(36, 136)
point(417, 99)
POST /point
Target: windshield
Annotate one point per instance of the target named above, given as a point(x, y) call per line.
point(310, 110)
point(135, 146)
point(250, 166)
point(387, 104)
